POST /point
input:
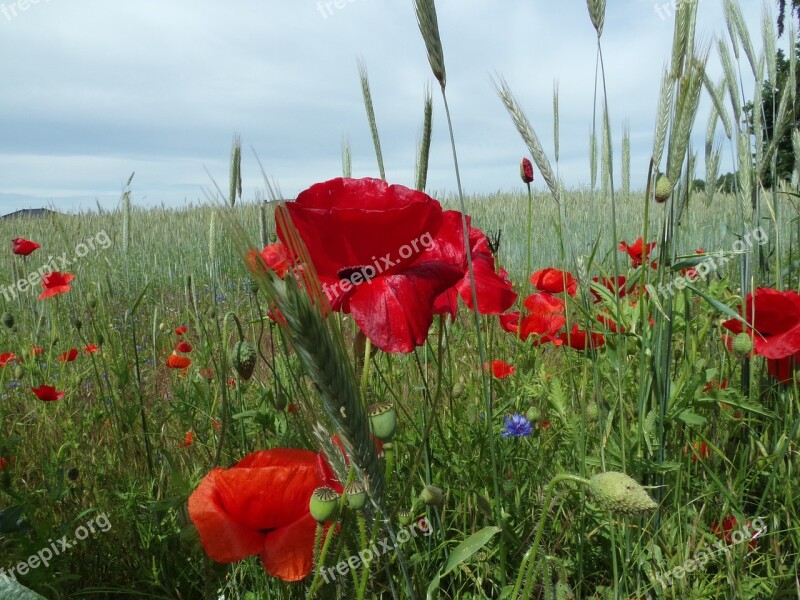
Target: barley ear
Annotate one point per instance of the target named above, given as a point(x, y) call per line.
point(373, 126)
point(425, 144)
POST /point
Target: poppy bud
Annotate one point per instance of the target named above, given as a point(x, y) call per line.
point(742, 344)
point(91, 301)
point(432, 495)
point(526, 171)
point(383, 420)
point(323, 504)
point(162, 326)
point(356, 495)
point(8, 320)
point(663, 188)
point(243, 358)
point(100, 339)
point(458, 390)
point(72, 474)
point(253, 286)
point(77, 323)
point(592, 412)
point(620, 493)
point(509, 486)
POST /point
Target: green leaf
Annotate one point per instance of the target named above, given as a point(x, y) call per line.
point(11, 590)
point(717, 304)
point(462, 553)
point(468, 547)
point(691, 418)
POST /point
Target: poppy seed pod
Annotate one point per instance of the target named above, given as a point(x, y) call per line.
point(620, 493)
point(323, 504)
point(383, 420)
point(404, 517)
point(356, 495)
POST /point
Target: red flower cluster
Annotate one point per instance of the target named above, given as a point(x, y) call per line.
point(391, 257)
point(775, 319)
point(175, 360)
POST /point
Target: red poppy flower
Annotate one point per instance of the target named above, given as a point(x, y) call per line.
point(554, 281)
point(637, 251)
point(701, 451)
point(91, 348)
point(545, 318)
point(580, 340)
point(23, 247)
point(277, 258)
point(183, 346)
point(609, 323)
point(55, 283)
point(188, 440)
point(69, 355)
point(37, 350)
point(369, 243)
point(501, 369)
point(180, 330)
point(47, 393)
point(494, 291)
point(178, 362)
point(612, 284)
point(775, 316)
point(6, 358)
point(6, 462)
point(719, 385)
point(526, 170)
point(544, 424)
point(260, 506)
point(726, 529)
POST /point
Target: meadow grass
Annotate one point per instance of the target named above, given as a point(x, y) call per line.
point(664, 401)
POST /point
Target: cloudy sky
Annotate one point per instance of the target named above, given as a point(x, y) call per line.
point(93, 91)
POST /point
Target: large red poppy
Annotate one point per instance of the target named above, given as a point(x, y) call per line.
point(260, 506)
point(7, 357)
point(637, 251)
point(55, 283)
point(176, 361)
point(554, 281)
point(369, 242)
point(23, 247)
point(494, 291)
point(775, 316)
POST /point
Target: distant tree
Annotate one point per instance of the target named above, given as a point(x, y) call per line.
point(795, 9)
point(727, 183)
point(770, 100)
point(698, 185)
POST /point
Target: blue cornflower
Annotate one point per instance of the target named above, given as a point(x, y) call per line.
point(517, 426)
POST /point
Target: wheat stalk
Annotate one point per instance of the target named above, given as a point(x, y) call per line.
point(425, 144)
point(373, 125)
point(429, 28)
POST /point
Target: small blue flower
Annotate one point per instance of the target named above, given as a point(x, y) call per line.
point(517, 426)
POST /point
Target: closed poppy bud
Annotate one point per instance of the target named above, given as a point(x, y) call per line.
point(323, 504)
point(8, 320)
point(356, 495)
point(620, 493)
point(91, 301)
point(458, 390)
point(663, 188)
point(526, 171)
point(742, 344)
point(77, 323)
point(383, 420)
point(432, 495)
point(243, 358)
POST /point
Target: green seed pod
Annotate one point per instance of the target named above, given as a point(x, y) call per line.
point(243, 358)
point(323, 504)
point(620, 493)
point(404, 517)
point(592, 412)
point(253, 286)
point(356, 495)
point(742, 344)
point(383, 420)
point(8, 320)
